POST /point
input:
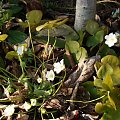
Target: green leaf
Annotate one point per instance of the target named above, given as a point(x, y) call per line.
point(116, 75)
point(99, 107)
point(99, 36)
point(34, 16)
point(15, 37)
point(72, 46)
point(3, 37)
point(111, 60)
point(103, 51)
point(111, 115)
point(92, 41)
point(10, 55)
point(81, 54)
point(62, 31)
point(14, 10)
point(2, 63)
point(98, 83)
point(104, 28)
point(81, 34)
point(97, 66)
point(104, 69)
point(51, 24)
point(108, 82)
point(111, 101)
point(59, 34)
point(92, 27)
point(89, 86)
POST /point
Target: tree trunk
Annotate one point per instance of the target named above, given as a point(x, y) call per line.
point(85, 10)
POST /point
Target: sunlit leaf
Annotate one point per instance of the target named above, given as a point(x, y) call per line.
point(111, 60)
point(104, 69)
point(61, 22)
point(99, 107)
point(98, 83)
point(111, 101)
point(81, 54)
point(92, 27)
point(108, 81)
point(34, 16)
point(116, 75)
point(3, 37)
point(72, 46)
point(97, 66)
point(51, 24)
point(10, 55)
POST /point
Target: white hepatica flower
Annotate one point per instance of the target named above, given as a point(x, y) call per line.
point(59, 66)
point(27, 106)
point(50, 75)
point(9, 110)
point(111, 39)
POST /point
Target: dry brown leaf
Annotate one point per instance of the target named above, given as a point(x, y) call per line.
point(53, 103)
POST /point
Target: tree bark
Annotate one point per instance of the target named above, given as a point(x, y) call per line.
point(85, 10)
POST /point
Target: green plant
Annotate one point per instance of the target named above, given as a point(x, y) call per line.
point(107, 82)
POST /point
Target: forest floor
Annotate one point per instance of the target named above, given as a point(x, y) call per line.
point(41, 77)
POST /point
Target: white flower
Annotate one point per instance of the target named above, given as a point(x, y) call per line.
point(50, 75)
point(111, 39)
point(59, 66)
point(33, 102)
point(27, 106)
point(39, 80)
point(9, 110)
point(20, 50)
